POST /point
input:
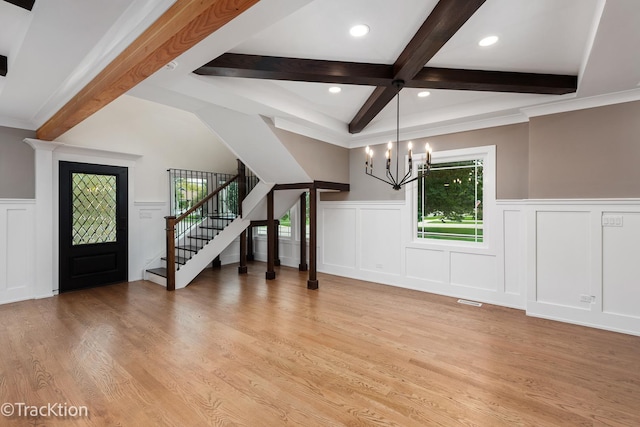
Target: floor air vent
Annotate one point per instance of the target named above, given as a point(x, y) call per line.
point(467, 302)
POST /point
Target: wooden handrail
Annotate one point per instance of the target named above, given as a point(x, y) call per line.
point(206, 199)
point(171, 236)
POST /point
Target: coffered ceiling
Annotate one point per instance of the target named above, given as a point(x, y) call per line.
point(54, 50)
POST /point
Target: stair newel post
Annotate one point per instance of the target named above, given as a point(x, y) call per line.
point(271, 238)
point(242, 185)
point(242, 193)
point(171, 253)
point(312, 283)
point(303, 233)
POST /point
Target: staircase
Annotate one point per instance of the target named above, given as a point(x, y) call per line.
point(197, 242)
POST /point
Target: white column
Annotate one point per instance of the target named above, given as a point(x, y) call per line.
point(45, 282)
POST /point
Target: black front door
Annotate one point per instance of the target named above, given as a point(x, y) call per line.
point(93, 225)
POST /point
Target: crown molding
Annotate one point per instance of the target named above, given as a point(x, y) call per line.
point(582, 103)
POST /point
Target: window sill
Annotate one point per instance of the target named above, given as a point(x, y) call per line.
point(451, 246)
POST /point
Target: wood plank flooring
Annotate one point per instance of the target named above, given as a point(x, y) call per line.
point(238, 350)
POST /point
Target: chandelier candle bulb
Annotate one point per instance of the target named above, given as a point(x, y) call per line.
point(367, 157)
point(392, 179)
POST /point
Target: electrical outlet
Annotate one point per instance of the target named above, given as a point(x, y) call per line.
point(612, 221)
point(587, 298)
point(379, 266)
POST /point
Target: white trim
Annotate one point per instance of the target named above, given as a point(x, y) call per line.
point(487, 246)
point(150, 204)
point(364, 202)
point(582, 103)
point(425, 132)
point(17, 201)
point(564, 202)
point(48, 154)
point(524, 114)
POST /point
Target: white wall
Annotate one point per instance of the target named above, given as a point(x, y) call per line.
point(544, 256)
point(583, 263)
point(165, 137)
point(374, 241)
point(17, 246)
point(568, 260)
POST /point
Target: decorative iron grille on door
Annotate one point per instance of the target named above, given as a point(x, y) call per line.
point(93, 209)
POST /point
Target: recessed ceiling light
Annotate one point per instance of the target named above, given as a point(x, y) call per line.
point(424, 94)
point(359, 30)
point(335, 89)
point(488, 41)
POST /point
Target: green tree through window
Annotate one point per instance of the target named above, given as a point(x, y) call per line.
point(450, 201)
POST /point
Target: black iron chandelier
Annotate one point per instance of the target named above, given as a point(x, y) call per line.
point(390, 179)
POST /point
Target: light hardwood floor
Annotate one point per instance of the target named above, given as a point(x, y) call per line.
point(238, 350)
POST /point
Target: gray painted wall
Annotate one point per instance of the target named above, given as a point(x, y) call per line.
point(320, 160)
point(593, 153)
point(17, 167)
point(511, 162)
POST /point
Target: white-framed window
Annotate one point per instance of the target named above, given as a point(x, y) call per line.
point(285, 225)
point(452, 205)
point(284, 229)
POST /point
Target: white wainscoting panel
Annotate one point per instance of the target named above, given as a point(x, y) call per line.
point(388, 252)
point(338, 237)
point(147, 236)
point(427, 264)
point(563, 267)
point(474, 271)
point(288, 251)
point(380, 239)
point(621, 264)
point(17, 250)
point(514, 252)
point(554, 258)
point(583, 263)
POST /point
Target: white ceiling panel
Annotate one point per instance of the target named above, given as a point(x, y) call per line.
point(62, 42)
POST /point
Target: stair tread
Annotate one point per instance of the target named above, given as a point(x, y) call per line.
point(209, 227)
point(179, 260)
point(190, 248)
point(228, 218)
point(162, 272)
point(201, 237)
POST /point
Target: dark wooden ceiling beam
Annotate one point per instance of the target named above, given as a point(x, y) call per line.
point(336, 72)
point(4, 65)
point(318, 185)
point(444, 21)
point(182, 26)
point(294, 69)
point(493, 81)
point(25, 4)
point(441, 24)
